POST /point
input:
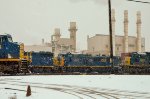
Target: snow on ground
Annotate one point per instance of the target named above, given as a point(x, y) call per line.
point(76, 86)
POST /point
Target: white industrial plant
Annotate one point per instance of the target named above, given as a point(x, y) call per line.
point(98, 44)
point(63, 45)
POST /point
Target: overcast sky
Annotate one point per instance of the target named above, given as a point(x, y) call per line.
point(29, 21)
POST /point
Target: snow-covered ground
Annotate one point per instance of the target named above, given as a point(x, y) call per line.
point(76, 87)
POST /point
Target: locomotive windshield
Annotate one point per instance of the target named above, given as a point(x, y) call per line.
point(10, 39)
point(0, 40)
point(5, 39)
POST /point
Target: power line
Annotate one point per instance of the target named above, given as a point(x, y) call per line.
point(139, 1)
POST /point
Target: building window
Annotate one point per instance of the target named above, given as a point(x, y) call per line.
point(131, 45)
point(106, 46)
point(70, 46)
point(117, 48)
point(53, 49)
point(93, 48)
point(142, 45)
point(118, 45)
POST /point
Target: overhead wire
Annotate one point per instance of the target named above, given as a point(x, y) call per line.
point(139, 1)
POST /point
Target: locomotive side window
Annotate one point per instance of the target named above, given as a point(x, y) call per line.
point(4, 39)
point(10, 39)
point(0, 42)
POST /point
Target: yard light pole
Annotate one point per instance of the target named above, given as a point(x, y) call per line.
point(110, 33)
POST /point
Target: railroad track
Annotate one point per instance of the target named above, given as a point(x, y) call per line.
point(81, 92)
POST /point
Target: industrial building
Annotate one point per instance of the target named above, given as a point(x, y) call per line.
point(63, 45)
point(44, 46)
point(100, 44)
point(37, 48)
point(57, 44)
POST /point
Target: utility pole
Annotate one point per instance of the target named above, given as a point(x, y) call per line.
point(110, 32)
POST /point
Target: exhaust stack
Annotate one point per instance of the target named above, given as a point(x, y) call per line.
point(126, 31)
point(113, 30)
point(138, 23)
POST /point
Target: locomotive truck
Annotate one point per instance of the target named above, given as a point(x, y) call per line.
point(12, 57)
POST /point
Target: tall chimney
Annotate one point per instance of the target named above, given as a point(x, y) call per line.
point(88, 37)
point(42, 41)
point(113, 30)
point(138, 23)
point(126, 31)
point(57, 34)
point(73, 30)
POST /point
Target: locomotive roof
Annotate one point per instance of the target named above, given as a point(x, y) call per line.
point(5, 34)
point(140, 53)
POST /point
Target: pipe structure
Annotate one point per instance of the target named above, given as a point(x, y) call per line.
point(126, 31)
point(113, 30)
point(73, 30)
point(138, 23)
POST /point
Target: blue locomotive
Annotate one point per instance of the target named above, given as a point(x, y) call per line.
point(136, 63)
point(85, 63)
point(12, 57)
point(41, 62)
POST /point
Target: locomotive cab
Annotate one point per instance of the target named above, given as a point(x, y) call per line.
point(12, 58)
point(8, 48)
point(5, 39)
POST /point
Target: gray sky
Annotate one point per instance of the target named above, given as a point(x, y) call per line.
point(29, 21)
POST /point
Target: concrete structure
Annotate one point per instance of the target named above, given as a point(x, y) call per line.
point(43, 42)
point(44, 46)
point(99, 44)
point(63, 45)
point(126, 31)
point(73, 30)
point(57, 44)
point(113, 30)
point(138, 23)
point(37, 48)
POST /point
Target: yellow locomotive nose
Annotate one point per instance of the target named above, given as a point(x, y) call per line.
point(59, 62)
point(22, 51)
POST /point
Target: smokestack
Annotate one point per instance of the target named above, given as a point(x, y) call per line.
point(73, 30)
point(88, 36)
point(57, 31)
point(88, 41)
point(42, 41)
point(126, 31)
point(138, 23)
point(51, 37)
point(113, 30)
point(56, 34)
